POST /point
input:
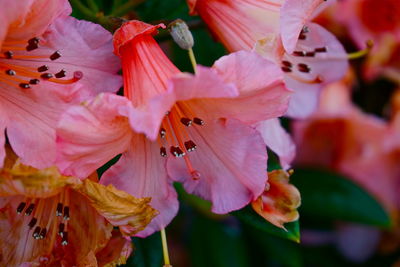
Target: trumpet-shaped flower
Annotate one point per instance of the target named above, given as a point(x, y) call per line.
point(47, 60)
point(48, 218)
point(175, 126)
point(281, 31)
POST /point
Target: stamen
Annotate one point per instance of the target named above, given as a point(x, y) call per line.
point(55, 55)
point(287, 63)
point(163, 151)
point(8, 54)
point(43, 68)
point(190, 146)
point(21, 207)
point(60, 74)
point(11, 72)
point(303, 67)
point(43, 233)
point(24, 85)
point(31, 47)
point(177, 151)
point(32, 223)
point(299, 53)
point(162, 133)
point(187, 122)
point(286, 69)
point(195, 175)
point(320, 49)
point(310, 54)
point(198, 121)
point(30, 209)
point(64, 240)
point(66, 213)
point(34, 81)
point(34, 40)
point(36, 233)
point(46, 76)
point(59, 209)
point(61, 228)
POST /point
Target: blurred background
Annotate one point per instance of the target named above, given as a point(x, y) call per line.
point(347, 167)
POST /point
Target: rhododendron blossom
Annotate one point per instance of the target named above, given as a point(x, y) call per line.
point(41, 72)
point(48, 218)
point(175, 126)
point(309, 55)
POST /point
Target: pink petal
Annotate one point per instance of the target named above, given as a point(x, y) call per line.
point(205, 84)
point(278, 140)
point(230, 160)
point(304, 101)
point(141, 172)
point(77, 39)
point(3, 123)
point(294, 15)
point(89, 135)
point(27, 19)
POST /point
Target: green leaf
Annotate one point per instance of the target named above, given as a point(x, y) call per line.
point(147, 252)
point(216, 243)
point(329, 195)
point(250, 217)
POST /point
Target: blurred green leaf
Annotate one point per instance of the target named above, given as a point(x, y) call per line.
point(217, 243)
point(147, 252)
point(250, 217)
point(328, 195)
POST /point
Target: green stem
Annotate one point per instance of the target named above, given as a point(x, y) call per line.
point(82, 8)
point(93, 6)
point(122, 10)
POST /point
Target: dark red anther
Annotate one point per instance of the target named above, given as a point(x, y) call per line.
point(190, 146)
point(187, 122)
point(298, 53)
point(43, 68)
point(64, 240)
point(46, 75)
point(60, 74)
point(11, 72)
point(302, 36)
point(24, 85)
point(59, 209)
point(31, 47)
point(43, 233)
point(34, 81)
point(8, 54)
point(55, 55)
point(177, 151)
point(310, 54)
point(66, 213)
point(303, 67)
point(163, 151)
point(29, 210)
point(33, 40)
point(163, 132)
point(61, 228)
point(32, 223)
point(36, 233)
point(198, 121)
point(320, 49)
point(286, 63)
point(286, 69)
point(21, 207)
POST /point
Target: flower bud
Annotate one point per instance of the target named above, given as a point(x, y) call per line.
point(181, 34)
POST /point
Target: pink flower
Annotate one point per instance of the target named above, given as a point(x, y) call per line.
point(175, 126)
point(309, 55)
point(44, 53)
point(342, 138)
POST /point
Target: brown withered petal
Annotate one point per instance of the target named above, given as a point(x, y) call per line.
point(279, 202)
point(118, 207)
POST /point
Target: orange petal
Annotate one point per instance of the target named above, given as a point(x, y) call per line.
point(118, 207)
point(280, 200)
point(116, 252)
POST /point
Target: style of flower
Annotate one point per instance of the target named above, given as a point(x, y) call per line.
point(309, 56)
point(47, 61)
point(47, 218)
point(175, 126)
point(279, 202)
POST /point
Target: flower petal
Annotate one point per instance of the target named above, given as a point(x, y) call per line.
point(230, 160)
point(116, 252)
point(294, 15)
point(279, 202)
point(118, 207)
point(278, 140)
point(90, 135)
point(141, 172)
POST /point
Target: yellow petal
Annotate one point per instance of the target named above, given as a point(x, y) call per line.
point(116, 252)
point(118, 207)
point(279, 202)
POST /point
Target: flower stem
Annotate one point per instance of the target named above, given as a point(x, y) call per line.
point(192, 59)
point(363, 52)
point(165, 248)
